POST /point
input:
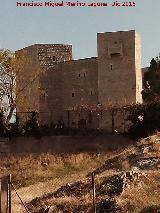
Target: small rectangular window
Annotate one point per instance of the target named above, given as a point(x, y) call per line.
point(73, 94)
point(111, 67)
point(43, 95)
point(114, 55)
point(91, 91)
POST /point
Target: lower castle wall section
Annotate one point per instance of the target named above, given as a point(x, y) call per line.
point(79, 87)
point(69, 95)
point(116, 122)
point(67, 86)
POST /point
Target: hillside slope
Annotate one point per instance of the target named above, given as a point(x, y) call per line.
point(128, 181)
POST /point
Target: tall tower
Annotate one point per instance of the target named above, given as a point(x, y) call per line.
point(34, 79)
point(119, 68)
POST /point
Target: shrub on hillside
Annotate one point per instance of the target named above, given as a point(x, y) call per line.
point(145, 119)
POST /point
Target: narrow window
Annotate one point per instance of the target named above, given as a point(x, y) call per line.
point(111, 67)
point(43, 95)
point(84, 75)
point(54, 58)
point(79, 75)
point(91, 91)
point(72, 94)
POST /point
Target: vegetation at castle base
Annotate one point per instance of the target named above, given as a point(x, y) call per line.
point(3, 129)
point(31, 127)
point(151, 81)
point(145, 119)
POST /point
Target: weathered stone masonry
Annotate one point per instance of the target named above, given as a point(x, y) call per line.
point(60, 85)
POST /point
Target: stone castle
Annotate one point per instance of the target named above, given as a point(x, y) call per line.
point(62, 89)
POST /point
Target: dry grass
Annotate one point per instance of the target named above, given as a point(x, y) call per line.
point(141, 194)
point(33, 168)
point(72, 202)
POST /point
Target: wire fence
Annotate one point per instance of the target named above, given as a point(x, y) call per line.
point(95, 186)
point(6, 195)
point(9, 194)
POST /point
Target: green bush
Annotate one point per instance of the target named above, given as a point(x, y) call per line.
point(145, 119)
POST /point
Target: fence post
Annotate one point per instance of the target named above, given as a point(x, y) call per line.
point(4, 195)
point(68, 115)
point(112, 114)
point(93, 192)
point(9, 194)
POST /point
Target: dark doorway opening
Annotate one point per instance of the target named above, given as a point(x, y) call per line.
point(82, 124)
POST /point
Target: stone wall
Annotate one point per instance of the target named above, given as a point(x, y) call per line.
point(80, 87)
point(65, 86)
point(50, 54)
point(54, 84)
point(66, 144)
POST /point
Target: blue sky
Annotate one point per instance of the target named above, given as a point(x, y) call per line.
point(78, 26)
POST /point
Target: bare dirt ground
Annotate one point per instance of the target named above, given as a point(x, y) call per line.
point(37, 190)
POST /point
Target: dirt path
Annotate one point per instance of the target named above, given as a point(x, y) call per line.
point(37, 190)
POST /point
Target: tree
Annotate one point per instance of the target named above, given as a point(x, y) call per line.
point(2, 126)
point(9, 66)
point(32, 127)
point(144, 118)
point(7, 83)
point(151, 91)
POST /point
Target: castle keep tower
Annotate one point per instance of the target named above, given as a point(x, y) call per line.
point(34, 80)
point(119, 68)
